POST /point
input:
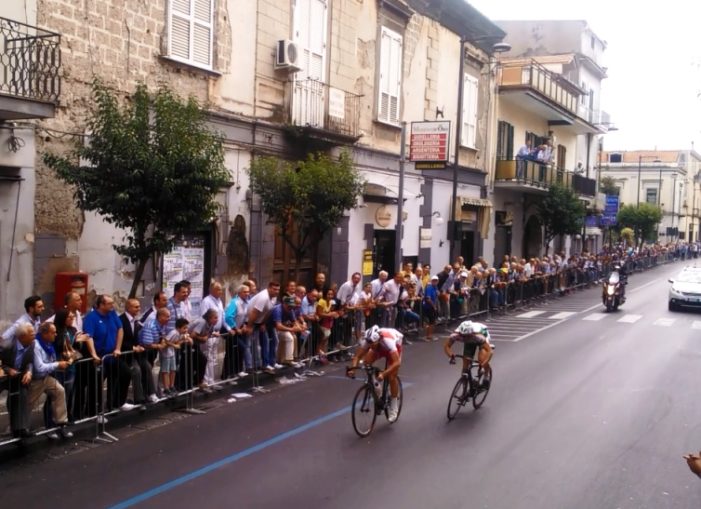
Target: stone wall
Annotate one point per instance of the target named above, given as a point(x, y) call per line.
point(122, 43)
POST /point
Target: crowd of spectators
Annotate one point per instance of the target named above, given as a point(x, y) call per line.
point(67, 356)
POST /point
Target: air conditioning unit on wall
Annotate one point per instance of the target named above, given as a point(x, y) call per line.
point(287, 56)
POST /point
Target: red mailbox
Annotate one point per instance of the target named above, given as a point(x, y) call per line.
point(71, 282)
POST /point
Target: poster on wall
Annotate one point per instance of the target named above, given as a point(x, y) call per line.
point(186, 261)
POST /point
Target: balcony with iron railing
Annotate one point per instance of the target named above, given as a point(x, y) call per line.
point(324, 112)
point(30, 61)
point(531, 177)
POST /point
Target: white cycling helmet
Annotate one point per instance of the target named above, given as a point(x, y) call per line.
point(372, 334)
point(464, 328)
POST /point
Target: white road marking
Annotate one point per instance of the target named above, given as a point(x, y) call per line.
point(630, 318)
point(696, 325)
point(530, 314)
point(664, 322)
point(562, 315)
point(595, 317)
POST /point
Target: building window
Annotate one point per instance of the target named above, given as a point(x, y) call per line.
point(468, 137)
point(190, 32)
point(505, 141)
point(651, 195)
point(615, 158)
point(390, 77)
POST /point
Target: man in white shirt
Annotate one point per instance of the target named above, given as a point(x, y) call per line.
point(259, 308)
point(73, 302)
point(33, 307)
point(391, 292)
point(211, 347)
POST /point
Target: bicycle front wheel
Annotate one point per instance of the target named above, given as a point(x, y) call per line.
point(363, 412)
point(482, 383)
point(400, 399)
point(457, 398)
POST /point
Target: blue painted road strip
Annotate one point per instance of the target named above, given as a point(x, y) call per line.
point(228, 460)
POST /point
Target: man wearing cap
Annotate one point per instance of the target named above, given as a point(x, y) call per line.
point(287, 327)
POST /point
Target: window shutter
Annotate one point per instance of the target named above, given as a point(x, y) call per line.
point(390, 76)
point(202, 32)
point(191, 31)
point(317, 39)
point(469, 112)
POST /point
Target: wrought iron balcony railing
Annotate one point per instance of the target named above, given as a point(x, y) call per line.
point(539, 177)
point(30, 60)
point(319, 106)
point(535, 77)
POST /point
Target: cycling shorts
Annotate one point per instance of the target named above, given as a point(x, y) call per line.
point(470, 348)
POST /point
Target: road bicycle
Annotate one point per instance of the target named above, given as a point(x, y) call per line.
point(470, 386)
point(368, 404)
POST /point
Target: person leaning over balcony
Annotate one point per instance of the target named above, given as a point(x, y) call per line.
point(523, 155)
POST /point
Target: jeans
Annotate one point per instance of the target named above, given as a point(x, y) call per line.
point(244, 344)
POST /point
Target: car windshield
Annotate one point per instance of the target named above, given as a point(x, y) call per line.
point(689, 276)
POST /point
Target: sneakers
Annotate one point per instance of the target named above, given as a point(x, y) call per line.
point(242, 374)
point(154, 399)
point(278, 366)
point(269, 369)
point(393, 410)
point(127, 407)
point(52, 436)
point(295, 364)
point(65, 432)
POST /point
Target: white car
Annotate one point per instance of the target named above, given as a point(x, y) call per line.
point(686, 289)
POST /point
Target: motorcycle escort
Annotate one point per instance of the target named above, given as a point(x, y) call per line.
point(613, 294)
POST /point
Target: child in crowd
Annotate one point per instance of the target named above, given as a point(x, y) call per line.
point(174, 339)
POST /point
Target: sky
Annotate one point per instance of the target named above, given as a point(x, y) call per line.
point(653, 57)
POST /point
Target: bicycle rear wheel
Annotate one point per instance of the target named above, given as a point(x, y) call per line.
point(457, 398)
point(400, 399)
point(480, 392)
point(363, 412)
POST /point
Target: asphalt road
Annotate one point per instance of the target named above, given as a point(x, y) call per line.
point(587, 410)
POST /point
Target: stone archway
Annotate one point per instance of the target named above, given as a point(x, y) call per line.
point(533, 238)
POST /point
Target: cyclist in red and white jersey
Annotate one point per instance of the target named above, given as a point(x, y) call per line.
point(382, 343)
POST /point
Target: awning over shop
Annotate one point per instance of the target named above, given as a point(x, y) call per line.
point(475, 202)
point(484, 213)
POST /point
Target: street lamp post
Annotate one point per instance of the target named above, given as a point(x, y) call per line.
point(659, 188)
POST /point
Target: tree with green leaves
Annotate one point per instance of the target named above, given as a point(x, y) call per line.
point(607, 185)
point(643, 219)
point(150, 167)
point(304, 199)
point(561, 213)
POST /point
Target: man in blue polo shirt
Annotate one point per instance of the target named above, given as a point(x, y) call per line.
point(105, 327)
